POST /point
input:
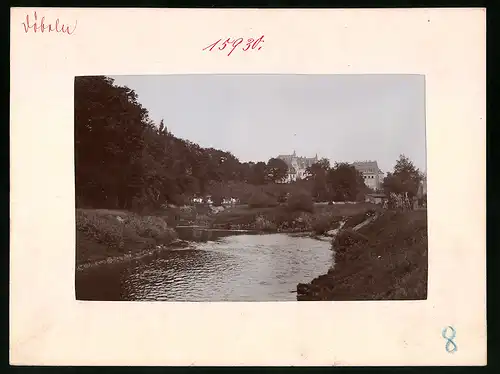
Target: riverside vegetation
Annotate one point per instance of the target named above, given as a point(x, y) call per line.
point(384, 260)
point(135, 182)
point(103, 234)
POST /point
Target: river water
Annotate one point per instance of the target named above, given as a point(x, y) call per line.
point(231, 268)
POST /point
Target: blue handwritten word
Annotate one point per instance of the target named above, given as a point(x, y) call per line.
point(451, 347)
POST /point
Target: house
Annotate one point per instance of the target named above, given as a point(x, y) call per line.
point(297, 165)
point(372, 175)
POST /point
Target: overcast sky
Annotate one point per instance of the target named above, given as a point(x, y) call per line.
point(256, 117)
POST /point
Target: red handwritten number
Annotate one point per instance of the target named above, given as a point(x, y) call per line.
point(236, 43)
point(249, 43)
point(212, 45)
point(256, 43)
point(225, 44)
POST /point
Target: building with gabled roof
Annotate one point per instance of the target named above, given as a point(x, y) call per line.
point(372, 175)
point(297, 165)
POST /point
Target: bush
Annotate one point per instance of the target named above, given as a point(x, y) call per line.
point(263, 223)
point(112, 231)
point(344, 241)
point(303, 221)
point(100, 228)
point(282, 217)
point(356, 219)
point(147, 226)
point(300, 201)
point(323, 223)
point(261, 200)
point(202, 219)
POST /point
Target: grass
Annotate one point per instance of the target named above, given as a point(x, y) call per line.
point(322, 219)
point(385, 260)
point(102, 233)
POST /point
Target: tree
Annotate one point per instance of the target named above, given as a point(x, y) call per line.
point(277, 170)
point(318, 169)
point(246, 172)
point(259, 173)
point(345, 182)
point(123, 160)
point(317, 173)
point(109, 123)
point(405, 178)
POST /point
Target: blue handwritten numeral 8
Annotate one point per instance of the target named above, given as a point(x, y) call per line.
point(451, 347)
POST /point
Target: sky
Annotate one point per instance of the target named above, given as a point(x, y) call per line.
point(344, 118)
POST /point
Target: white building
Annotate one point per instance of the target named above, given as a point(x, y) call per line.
point(372, 175)
point(297, 165)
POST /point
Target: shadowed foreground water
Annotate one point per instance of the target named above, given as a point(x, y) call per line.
point(233, 268)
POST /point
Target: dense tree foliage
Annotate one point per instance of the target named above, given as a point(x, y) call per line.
point(277, 170)
point(342, 182)
point(111, 128)
point(126, 161)
point(405, 178)
point(346, 183)
point(317, 173)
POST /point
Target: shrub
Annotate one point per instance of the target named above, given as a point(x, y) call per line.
point(103, 229)
point(323, 222)
point(109, 230)
point(186, 213)
point(146, 226)
point(202, 219)
point(282, 216)
point(261, 200)
point(344, 240)
point(300, 201)
point(303, 221)
point(263, 223)
point(357, 219)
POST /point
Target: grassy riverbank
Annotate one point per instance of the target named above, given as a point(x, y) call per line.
point(384, 260)
point(102, 234)
point(283, 219)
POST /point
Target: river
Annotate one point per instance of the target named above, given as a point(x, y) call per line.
point(230, 268)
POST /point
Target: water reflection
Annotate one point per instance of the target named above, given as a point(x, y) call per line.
point(233, 268)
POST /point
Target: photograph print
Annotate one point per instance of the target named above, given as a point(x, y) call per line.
point(250, 187)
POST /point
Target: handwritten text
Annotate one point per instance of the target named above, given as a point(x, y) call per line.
point(42, 26)
point(451, 346)
point(253, 44)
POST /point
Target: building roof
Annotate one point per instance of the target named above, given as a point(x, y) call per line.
point(367, 166)
point(301, 162)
